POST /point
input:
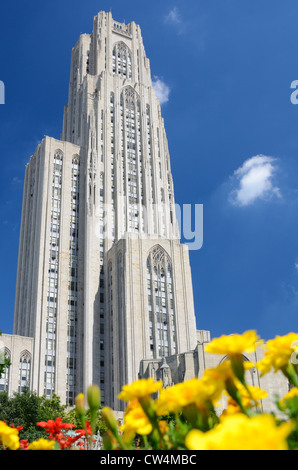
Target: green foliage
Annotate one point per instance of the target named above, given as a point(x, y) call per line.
point(4, 360)
point(71, 416)
point(26, 409)
point(290, 409)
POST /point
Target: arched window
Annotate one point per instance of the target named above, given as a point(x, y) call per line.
point(161, 308)
point(24, 371)
point(251, 375)
point(122, 60)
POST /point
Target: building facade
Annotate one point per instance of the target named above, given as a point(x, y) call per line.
point(103, 281)
point(104, 288)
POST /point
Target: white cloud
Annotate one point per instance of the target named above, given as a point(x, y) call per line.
point(174, 18)
point(254, 181)
point(16, 180)
point(161, 89)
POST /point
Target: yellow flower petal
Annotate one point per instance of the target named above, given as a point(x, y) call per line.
point(42, 444)
point(9, 436)
point(278, 353)
point(135, 420)
point(239, 432)
point(235, 344)
point(139, 389)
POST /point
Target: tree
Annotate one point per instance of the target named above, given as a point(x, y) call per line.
point(26, 409)
point(4, 360)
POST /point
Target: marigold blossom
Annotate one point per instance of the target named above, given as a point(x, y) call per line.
point(9, 436)
point(139, 389)
point(235, 344)
point(251, 395)
point(278, 353)
point(249, 398)
point(41, 444)
point(219, 375)
point(239, 432)
point(194, 391)
point(291, 394)
point(135, 421)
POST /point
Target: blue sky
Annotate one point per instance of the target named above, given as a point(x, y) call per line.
point(224, 70)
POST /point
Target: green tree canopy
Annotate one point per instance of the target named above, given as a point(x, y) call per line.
point(4, 360)
point(26, 409)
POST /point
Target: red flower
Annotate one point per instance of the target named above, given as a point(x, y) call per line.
point(54, 427)
point(56, 431)
point(19, 428)
point(24, 444)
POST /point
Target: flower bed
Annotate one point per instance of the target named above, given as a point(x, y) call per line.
point(184, 416)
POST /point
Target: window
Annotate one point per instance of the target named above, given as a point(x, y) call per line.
point(162, 322)
point(122, 60)
point(132, 158)
point(73, 282)
point(24, 371)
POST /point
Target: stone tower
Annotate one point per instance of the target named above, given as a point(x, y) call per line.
point(103, 281)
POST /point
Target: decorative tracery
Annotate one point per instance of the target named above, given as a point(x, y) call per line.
point(162, 323)
point(132, 158)
point(24, 370)
point(53, 275)
point(122, 60)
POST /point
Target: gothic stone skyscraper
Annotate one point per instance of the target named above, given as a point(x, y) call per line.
point(103, 282)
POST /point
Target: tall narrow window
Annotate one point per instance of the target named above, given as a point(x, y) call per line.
point(132, 158)
point(24, 371)
point(122, 60)
point(113, 195)
point(73, 282)
point(49, 376)
point(111, 320)
point(161, 309)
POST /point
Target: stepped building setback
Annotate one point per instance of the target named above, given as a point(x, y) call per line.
point(104, 289)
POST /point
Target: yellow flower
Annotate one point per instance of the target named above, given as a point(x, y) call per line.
point(234, 345)
point(239, 432)
point(231, 409)
point(42, 444)
point(219, 375)
point(249, 398)
point(252, 396)
point(139, 389)
point(278, 353)
point(135, 421)
point(9, 436)
point(194, 391)
point(291, 394)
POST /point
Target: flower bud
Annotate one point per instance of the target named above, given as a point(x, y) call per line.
point(93, 397)
point(110, 419)
point(80, 403)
